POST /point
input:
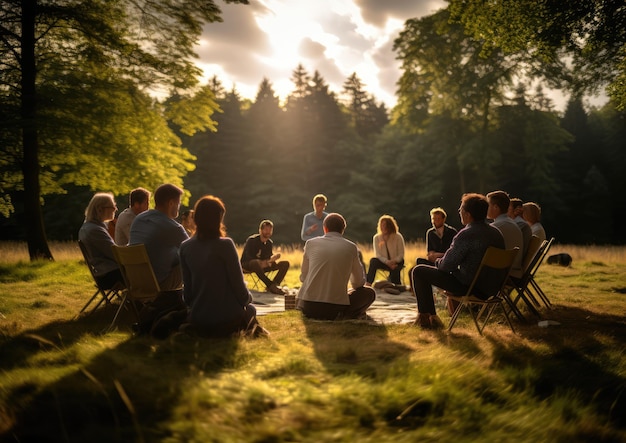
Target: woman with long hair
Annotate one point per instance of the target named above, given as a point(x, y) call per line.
point(214, 288)
point(388, 250)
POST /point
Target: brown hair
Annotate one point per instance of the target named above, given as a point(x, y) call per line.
point(209, 216)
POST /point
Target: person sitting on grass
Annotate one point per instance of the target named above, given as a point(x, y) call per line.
point(328, 263)
point(214, 288)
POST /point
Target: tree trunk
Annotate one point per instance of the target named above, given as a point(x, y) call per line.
point(35, 232)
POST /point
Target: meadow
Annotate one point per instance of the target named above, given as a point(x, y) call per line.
point(311, 381)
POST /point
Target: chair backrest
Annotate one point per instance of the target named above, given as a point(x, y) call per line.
point(137, 271)
point(494, 268)
point(541, 255)
point(534, 246)
point(87, 258)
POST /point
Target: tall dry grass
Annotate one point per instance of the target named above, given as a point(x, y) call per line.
point(13, 252)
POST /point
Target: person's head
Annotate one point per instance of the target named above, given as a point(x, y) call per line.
point(319, 203)
point(101, 208)
point(498, 203)
point(473, 208)
point(438, 217)
point(335, 223)
point(209, 217)
point(387, 225)
point(516, 207)
point(139, 200)
point(266, 228)
point(532, 213)
point(167, 199)
point(186, 219)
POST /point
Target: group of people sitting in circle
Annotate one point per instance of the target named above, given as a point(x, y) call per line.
point(197, 259)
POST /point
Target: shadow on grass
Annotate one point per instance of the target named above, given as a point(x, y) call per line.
point(353, 346)
point(124, 393)
point(574, 364)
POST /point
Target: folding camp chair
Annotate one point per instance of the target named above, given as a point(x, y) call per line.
point(535, 249)
point(142, 286)
point(533, 283)
point(498, 262)
point(106, 295)
point(256, 284)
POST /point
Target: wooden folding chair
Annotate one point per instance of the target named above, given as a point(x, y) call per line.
point(106, 294)
point(498, 262)
point(141, 283)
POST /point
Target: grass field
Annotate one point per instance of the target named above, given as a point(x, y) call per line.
point(310, 381)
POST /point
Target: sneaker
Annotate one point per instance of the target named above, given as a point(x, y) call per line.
point(391, 290)
point(275, 290)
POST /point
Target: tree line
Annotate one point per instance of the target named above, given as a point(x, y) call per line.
point(78, 117)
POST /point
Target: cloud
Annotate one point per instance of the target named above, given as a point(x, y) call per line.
point(269, 38)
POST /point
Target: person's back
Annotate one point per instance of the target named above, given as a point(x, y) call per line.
point(513, 238)
point(215, 292)
point(330, 265)
point(162, 235)
point(214, 286)
point(499, 203)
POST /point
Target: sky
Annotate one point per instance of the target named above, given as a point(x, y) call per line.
point(269, 38)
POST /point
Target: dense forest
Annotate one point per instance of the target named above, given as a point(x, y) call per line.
point(471, 117)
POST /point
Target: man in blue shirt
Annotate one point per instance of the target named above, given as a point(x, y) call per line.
point(162, 235)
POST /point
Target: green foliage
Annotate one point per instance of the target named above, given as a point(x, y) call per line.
point(592, 34)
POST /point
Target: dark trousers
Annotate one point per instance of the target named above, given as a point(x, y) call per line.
point(424, 277)
point(110, 279)
point(360, 299)
point(394, 274)
point(255, 266)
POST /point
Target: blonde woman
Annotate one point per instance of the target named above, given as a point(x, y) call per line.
point(95, 236)
point(388, 250)
point(532, 215)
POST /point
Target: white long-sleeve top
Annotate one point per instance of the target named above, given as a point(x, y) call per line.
point(395, 245)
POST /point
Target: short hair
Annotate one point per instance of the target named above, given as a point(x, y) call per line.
point(438, 210)
point(319, 197)
point(138, 195)
point(208, 213)
point(165, 193)
point(391, 222)
point(476, 204)
point(98, 201)
point(532, 212)
point(516, 202)
point(500, 199)
point(265, 223)
point(335, 223)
